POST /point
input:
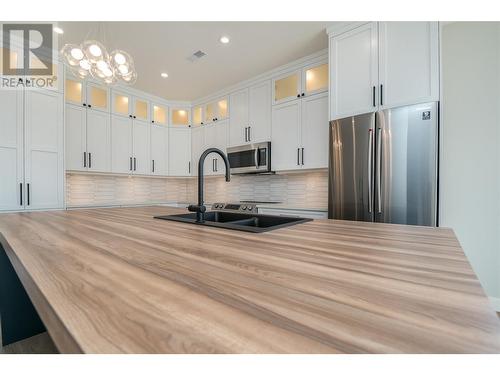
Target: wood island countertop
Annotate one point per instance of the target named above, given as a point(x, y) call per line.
point(118, 281)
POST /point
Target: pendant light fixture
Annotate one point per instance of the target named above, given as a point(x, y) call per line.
point(91, 59)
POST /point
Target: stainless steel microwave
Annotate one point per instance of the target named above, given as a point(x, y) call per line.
point(250, 158)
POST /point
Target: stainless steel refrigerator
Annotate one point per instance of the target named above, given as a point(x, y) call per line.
point(383, 166)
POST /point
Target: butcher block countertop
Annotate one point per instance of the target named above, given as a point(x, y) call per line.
point(118, 281)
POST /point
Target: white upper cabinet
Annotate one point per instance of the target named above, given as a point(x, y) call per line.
point(383, 65)
point(179, 151)
point(11, 150)
point(409, 63)
point(250, 119)
point(314, 79)
point(197, 147)
point(354, 71)
point(217, 110)
point(238, 128)
point(215, 135)
point(88, 128)
point(159, 150)
point(259, 112)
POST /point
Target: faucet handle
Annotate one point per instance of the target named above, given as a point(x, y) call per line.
point(196, 208)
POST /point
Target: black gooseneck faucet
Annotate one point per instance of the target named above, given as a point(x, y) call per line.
point(200, 208)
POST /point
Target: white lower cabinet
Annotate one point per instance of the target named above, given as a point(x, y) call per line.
point(140, 147)
point(179, 151)
point(43, 150)
point(159, 150)
point(121, 144)
point(300, 134)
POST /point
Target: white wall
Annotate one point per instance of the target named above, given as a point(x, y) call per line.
point(470, 153)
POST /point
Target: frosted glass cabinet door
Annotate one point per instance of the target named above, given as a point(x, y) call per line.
point(141, 110)
point(222, 109)
point(74, 91)
point(180, 116)
point(198, 115)
point(160, 114)
point(97, 97)
point(209, 113)
point(315, 79)
point(121, 104)
point(11, 149)
point(287, 87)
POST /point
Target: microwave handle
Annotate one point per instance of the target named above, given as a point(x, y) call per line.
point(256, 158)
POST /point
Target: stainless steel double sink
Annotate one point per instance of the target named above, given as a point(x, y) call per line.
point(238, 221)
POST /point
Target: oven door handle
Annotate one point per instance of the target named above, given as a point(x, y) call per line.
point(256, 156)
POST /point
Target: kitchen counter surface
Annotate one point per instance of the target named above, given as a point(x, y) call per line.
point(117, 280)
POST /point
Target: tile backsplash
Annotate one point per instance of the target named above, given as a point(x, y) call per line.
point(307, 189)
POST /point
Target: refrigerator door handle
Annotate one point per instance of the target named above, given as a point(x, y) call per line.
point(379, 169)
point(370, 151)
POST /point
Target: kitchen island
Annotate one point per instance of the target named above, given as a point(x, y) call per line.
point(118, 281)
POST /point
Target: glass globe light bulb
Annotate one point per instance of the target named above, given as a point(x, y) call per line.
point(76, 53)
point(95, 50)
point(119, 58)
point(84, 64)
point(123, 69)
point(101, 65)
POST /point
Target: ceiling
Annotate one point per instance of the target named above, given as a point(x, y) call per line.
point(156, 47)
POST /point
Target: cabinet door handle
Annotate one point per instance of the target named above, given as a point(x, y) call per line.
point(374, 90)
point(249, 134)
point(28, 191)
point(303, 94)
point(84, 159)
point(189, 167)
point(302, 155)
point(246, 136)
point(298, 156)
point(135, 164)
point(216, 165)
point(213, 165)
point(381, 94)
point(90, 106)
point(84, 104)
point(131, 163)
point(90, 160)
point(20, 193)
point(153, 166)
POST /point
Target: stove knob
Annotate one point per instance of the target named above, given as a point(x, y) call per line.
point(244, 207)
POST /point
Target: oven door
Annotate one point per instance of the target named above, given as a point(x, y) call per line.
point(253, 158)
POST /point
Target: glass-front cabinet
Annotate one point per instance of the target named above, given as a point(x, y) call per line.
point(217, 110)
point(121, 104)
point(87, 94)
point(198, 115)
point(180, 116)
point(287, 87)
point(141, 109)
point(315, 79)
point(310, 80)
point(160, 114)
point(97, 97)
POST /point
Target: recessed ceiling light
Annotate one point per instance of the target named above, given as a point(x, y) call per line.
point(224, 39)
point(164, 75)
point(58, 30)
